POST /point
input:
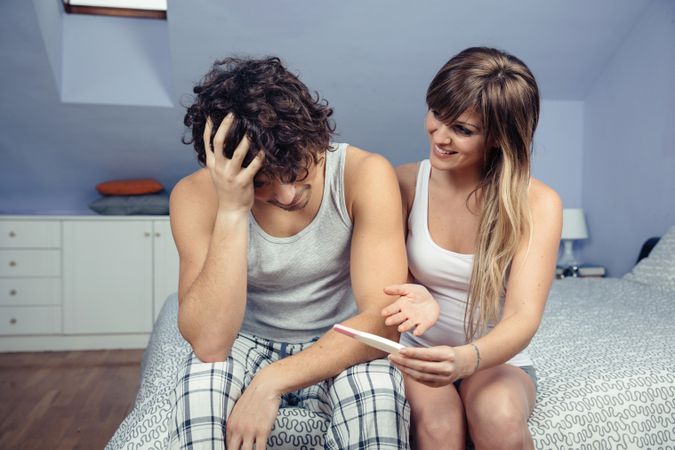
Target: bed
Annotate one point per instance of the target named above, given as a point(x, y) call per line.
point(605, 357)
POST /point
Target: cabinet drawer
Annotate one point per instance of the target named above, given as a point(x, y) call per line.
point(30, 263)
point(30, 291)
point(23, 234)
point(30, 320)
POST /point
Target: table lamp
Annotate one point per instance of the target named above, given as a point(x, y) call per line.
point(574, 228)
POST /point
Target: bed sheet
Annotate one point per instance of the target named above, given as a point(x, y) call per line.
point(604, 353)
point(605, 357)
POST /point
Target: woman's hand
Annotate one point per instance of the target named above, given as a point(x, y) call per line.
point(415, 308)
point(435, 366)
point(233, 182)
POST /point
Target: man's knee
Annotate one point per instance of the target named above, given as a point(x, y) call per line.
point(228, 371)
point(198, 383)
point(369, 408)
point(377, 385)
point(379, 374)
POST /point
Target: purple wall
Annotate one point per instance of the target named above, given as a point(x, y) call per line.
point(629, 144)
point(53, 153)
point(558, 149)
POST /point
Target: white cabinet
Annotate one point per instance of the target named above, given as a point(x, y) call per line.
point(107, 277)
point(30, 234)
point(30, 277)
point(32, 320)
point(30, 263)
point(30, 291)
point(83, 282)
point(165, 264)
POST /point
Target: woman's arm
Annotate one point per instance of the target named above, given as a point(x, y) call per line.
point(406, 175)
point(532, 272)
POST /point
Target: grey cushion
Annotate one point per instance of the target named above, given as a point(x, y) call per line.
point(658, 269)
point(125, 205)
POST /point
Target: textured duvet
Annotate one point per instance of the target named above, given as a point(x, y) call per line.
point(604, 353)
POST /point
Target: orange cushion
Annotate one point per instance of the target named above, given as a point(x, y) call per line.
point(129, 187)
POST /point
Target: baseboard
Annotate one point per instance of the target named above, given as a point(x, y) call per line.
point(80, 342)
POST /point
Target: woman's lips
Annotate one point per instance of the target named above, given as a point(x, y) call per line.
point(444, 153)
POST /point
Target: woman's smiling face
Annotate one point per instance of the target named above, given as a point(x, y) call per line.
point(460, 144)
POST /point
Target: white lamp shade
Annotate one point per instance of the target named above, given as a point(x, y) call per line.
point(574, 225)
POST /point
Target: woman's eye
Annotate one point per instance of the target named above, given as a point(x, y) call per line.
point(258, 184)
point(436, 115)
point(463, 130)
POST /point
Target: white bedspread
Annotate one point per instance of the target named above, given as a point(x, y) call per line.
point(605, 357)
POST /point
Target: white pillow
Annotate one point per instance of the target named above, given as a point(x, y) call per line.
point(658, 269)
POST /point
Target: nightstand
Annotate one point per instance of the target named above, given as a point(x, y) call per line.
point(581, 271)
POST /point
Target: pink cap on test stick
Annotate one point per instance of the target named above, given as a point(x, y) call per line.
point(344, 330)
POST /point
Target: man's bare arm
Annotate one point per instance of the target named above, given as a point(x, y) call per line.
point(209, 221)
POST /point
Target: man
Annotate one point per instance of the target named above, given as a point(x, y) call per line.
point(282, 235)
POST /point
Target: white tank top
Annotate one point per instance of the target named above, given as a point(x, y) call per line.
point(444, 273)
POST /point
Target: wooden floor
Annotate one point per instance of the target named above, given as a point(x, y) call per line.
point(65, 400)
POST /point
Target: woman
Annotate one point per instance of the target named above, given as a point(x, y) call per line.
point(482, 243)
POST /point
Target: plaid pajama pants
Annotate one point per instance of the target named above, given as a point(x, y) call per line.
point(364, 406)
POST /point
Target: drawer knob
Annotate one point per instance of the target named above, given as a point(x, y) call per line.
point(146, 234)
point(12, 292)
point(12, 264)
point(12, 320)
point(12, 234)
point(157, 234)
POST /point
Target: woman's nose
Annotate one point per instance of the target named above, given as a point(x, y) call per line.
point(442, 135)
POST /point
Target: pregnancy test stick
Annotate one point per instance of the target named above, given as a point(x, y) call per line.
point(373, 340)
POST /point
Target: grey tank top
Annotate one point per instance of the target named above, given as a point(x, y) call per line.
point(299, 286)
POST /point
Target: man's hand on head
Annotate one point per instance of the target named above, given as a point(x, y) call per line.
point(233, 182)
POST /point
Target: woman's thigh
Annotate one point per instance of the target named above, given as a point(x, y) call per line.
point(437, 412)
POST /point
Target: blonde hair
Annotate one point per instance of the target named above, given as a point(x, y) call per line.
point(500, 88)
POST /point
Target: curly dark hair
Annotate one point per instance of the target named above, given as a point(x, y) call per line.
point(271, 105)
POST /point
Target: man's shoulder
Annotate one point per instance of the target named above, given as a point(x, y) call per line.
point(361, 163)
point(196, 190)
point(197, 181)
point(369, 177)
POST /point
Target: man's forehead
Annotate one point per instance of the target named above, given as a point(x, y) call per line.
point(263, 177)
point(289, 176)
point(267, 177)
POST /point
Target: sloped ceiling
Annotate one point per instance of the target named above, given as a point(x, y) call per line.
point(372, 59)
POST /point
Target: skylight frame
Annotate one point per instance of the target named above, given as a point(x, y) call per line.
point(150, 9)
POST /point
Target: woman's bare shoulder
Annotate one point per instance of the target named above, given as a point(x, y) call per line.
point(407, 173)
point(544, 201)
point(407, 180)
